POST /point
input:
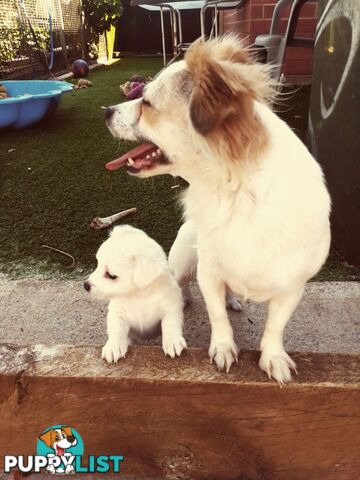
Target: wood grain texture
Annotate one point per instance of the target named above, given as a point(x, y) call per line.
point(181, 419)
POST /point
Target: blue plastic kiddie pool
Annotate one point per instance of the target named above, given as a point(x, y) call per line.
point(30, 101)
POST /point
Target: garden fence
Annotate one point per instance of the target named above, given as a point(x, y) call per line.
point(39, 38)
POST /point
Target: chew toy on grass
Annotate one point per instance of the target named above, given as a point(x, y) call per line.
point(136, 91)
point(125, 88)
point(83, 83)
point(98, 223)
point(134, 88)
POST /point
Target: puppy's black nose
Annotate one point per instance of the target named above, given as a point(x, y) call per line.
point(87, 286)
point(109, 112)
point(71, 438)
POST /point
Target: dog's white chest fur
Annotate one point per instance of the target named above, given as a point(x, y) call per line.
point(141, 313)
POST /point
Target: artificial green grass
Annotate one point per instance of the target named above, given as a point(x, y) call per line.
point(55, 182)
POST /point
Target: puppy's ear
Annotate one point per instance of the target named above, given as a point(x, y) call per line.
point(48, 438)
point(147, 268)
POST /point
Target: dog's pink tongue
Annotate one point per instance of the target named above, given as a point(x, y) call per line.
point(139, 151)
point(60, 451)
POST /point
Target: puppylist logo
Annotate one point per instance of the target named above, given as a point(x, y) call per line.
point(60, 450)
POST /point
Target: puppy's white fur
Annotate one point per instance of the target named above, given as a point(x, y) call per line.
point(259, 214)
point(143, 294)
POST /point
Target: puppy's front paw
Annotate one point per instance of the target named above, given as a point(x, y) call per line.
point(113, 351)
point(173, 344)
point(277, 365)
point(224, 352)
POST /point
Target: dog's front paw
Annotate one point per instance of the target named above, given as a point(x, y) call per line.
point(113, 351)
point(223, 352)
point(277, 365)
point(173, 345)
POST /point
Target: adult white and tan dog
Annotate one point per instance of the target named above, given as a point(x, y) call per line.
point(133, 273)
point(256, 198)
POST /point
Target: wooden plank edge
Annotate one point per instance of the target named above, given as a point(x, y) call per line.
point(148, 363)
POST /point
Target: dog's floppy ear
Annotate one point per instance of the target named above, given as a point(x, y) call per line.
point(48, 438)
point(225, 86)
point(147, 268)
point(224, 78)
point(212, 95)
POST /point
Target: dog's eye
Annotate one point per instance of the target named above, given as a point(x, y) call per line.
point(110, 277)
point(146, 102)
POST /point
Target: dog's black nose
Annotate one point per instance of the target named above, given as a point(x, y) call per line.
point(109, 112)
point(87, 286)
point(71, 438)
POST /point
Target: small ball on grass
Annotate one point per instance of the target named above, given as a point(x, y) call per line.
point(80, 68)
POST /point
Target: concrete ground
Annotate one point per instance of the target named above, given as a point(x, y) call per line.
point(38, 311)
point(41, 311)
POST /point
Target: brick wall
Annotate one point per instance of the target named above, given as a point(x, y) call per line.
point(255, 18)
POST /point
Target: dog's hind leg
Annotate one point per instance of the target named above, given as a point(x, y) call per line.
point(183, 258)
point(274, 360)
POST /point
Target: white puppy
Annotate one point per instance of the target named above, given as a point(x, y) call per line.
point(133, 273)
point(257, 202)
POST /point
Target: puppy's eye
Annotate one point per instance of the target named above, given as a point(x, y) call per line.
point(146, 102)
point(110, 277)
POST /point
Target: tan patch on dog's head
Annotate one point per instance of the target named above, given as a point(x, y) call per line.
point(149, 113)
point(226, 81)
point(164, 98)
